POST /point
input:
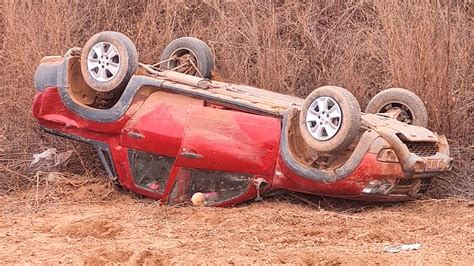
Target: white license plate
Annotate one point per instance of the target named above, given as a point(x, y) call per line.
point(434, 165)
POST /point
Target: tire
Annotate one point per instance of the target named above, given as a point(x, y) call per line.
point(108, 61)
point(413, 111)
point(200, 52)
point(345, 112)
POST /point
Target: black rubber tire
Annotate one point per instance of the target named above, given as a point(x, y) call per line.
point(199, 49)
point(350, 123)
point(128, 61)
point(411, 104)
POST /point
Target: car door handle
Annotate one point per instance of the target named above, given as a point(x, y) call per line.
point(191, 155)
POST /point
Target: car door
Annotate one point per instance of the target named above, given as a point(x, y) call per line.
point(150, 143)
point(222, 153)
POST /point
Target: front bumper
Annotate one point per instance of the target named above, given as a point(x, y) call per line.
point(363, 176)
point(400, 136)
point(415, 165)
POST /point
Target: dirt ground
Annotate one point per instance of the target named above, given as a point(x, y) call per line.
point(91, 222)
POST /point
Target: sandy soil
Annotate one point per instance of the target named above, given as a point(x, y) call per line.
point(90, 222)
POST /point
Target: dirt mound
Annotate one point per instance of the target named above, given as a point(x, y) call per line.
point(109, 256)
point(103, 256)
point(102, 229)
point(93, 191)
point(55, 187)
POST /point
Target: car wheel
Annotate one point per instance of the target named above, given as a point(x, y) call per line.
point(329, 119)
point(406, 106)
point(188, 55)
point(108, 61)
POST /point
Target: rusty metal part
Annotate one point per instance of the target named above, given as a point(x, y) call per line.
point(186, 79)
point(177, 68)
point(178, 76)
point(195, 68)
point(161, 62)
point(392, 113)
point(151, 69)
point(187, 65)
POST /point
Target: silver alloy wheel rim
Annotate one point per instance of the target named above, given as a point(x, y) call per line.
point(324, 118)
point(103, 61)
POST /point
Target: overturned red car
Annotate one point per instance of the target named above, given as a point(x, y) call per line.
point(170, 132)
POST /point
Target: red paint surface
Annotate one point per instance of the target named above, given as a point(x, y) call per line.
point(369, 169)
point(230, 141)
point(227, 140)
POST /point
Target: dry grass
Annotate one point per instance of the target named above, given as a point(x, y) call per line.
point(285, 46)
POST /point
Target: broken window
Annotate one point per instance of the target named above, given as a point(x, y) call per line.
point(215, 186)
point(150, 171)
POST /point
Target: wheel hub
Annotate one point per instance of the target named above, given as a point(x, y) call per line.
point(185, 61)
point(324, 118)
point(403, 112)
point(103, 61)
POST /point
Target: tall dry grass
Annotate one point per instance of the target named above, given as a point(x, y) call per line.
point(286, 46)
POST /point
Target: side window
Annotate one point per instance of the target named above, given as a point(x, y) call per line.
point(150, 171)
point(215, 186)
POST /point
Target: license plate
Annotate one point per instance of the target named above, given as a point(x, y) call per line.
point(434, 165)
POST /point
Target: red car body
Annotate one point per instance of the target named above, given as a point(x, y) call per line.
point(229, 153)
